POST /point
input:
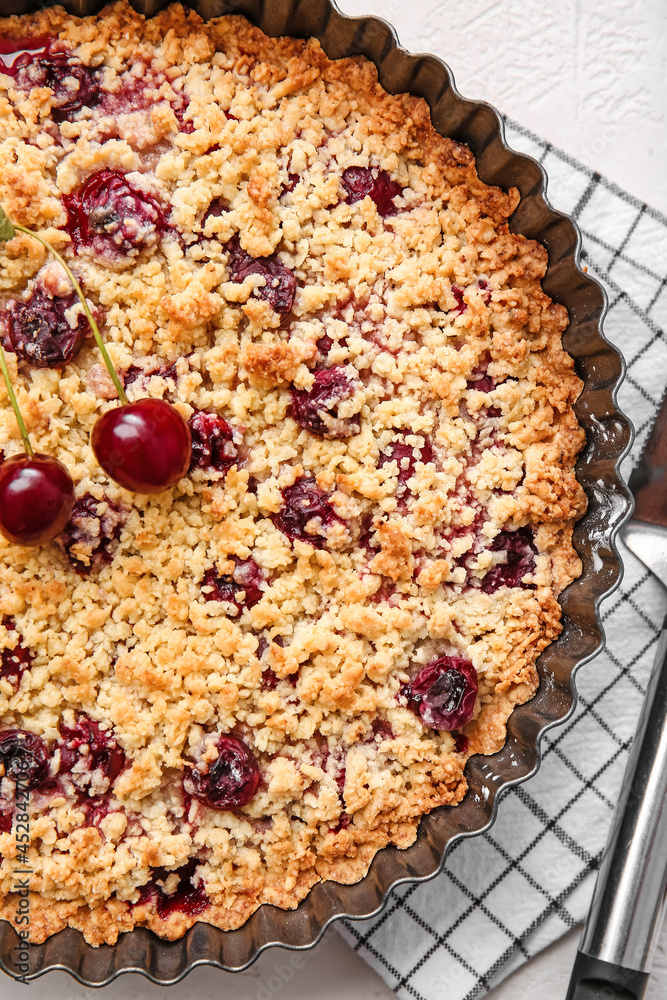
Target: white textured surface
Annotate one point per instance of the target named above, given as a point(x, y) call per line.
point(587, 76)
point(590, 78)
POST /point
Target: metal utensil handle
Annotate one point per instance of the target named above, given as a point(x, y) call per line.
point(624, 921)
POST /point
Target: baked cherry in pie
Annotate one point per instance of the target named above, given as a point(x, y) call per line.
point(224, 693)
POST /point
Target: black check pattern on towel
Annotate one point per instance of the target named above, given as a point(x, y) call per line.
point(505, 895)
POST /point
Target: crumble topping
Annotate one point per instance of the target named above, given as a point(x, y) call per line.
point(227, 692)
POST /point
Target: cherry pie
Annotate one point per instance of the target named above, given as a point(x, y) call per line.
point(221, 694)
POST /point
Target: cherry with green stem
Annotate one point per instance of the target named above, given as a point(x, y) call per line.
point(144, 446)
point(36, 491)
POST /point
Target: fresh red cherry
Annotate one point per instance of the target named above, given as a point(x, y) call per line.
point(143, 446)
point(36, 499)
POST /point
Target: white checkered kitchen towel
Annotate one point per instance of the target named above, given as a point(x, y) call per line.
point(507, 894)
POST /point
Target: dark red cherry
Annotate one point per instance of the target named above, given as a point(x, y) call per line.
point(270, 679)
point(36, 499)
point(316, 409)
point(362, 181)
point(406, 457)
point(520, 560)
point(74, 85)
point(227, 782)
point(98, 747)
point(243, 588)
point(280, 282)
point(14, 662)
point(444, 692)
point(143, 446)
point(168, 371)
point(212, 442)
point(111, 215)
point(482, 381)
point(25, 757)
point(40, 332)
point(340, 780)
point(186, 898)
point(6, 819)
point(305, 513)
point(88, 536)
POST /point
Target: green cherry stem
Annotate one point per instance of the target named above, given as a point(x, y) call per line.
point(89, 316)
point(15, 405)
point(145, 446)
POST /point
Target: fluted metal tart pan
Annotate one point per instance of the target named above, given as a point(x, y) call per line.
point(609, 434)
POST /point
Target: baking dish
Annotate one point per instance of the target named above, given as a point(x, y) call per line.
point(608, 437)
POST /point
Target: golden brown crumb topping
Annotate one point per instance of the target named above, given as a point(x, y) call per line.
point(227, 692)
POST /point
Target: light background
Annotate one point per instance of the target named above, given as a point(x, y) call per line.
point(589, 77)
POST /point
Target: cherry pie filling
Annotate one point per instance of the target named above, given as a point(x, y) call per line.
point(183, 897)
point(279, 283)
point(243, 587)
point(317, 409)
point(88, 537)
point(362, 182)
point(112, 216)
point(16, 660)
point(305, 512)
point(45, 331)
point(444, 693)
